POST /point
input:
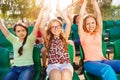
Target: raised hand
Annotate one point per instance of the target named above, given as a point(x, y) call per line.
point(58, 6)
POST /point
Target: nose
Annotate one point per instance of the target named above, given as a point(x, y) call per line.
point(91, 25)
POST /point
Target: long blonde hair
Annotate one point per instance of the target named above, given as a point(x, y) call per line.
point(84, 23)
point(50, 36)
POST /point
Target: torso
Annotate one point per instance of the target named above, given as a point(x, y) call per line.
point(56, 53)
point(92, 46)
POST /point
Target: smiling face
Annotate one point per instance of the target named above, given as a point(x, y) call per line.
point(90, 24)
point(55, 27)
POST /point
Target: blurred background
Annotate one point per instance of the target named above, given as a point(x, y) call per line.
point(27, 11)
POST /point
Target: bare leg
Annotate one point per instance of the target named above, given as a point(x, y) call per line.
point(55, 75)
point(66, 74)
point(44, 56)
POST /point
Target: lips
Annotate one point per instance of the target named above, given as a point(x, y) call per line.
point(91, 28)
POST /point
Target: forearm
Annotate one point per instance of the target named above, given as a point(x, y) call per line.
point(42, 28)
point(97, 13)
point(43, 10)
point(4, 29)
point(38, 21)
point(68, 24)
point(96, 8)
point(63, 13)
point(43, 24)
point(83, 8)
point(67, 21)
point(81, 17)
point(69, 12)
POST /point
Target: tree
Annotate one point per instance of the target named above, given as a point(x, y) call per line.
point(28, 9)
point(19, 9)
point(4, 7)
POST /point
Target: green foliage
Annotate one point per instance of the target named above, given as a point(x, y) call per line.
point(110, 12)
point(28, 9)
point(19, 9)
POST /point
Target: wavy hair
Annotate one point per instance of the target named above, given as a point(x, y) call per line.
point(50, 36)
point(84, 23)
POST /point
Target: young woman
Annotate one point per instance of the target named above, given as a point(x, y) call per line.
point(23, 67)
point(74, 29)
point(59, 66)
point(90, 32)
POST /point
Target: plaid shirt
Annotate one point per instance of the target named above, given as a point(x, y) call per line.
point(57, 53)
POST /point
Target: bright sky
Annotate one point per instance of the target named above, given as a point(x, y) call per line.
point(52, 4)
point(116, 2)
point(63, 3)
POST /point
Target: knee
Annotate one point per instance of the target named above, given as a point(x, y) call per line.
point(107, 70)
point(66, 74)
point(108, 73)
point(55, 75)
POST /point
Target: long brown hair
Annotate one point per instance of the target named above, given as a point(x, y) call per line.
point(25, 27)
point(50, 36)
point(84, 23)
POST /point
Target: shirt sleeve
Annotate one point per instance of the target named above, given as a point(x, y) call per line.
point(12, 38)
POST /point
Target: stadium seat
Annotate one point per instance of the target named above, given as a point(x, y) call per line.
point(4, 62)
point(37, 62)
point(113, 35)
point(118, 23)
point(87, 75)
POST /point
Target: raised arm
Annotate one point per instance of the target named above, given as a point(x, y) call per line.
point(68, 10)
point(97, 13)
point(67, 20)
point(81, 17)
point(4, 29)
point(38, 21)
point(45, 18)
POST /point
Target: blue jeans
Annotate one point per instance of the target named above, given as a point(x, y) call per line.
point(77, 42)
point(107, 69)
point(20, 73)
